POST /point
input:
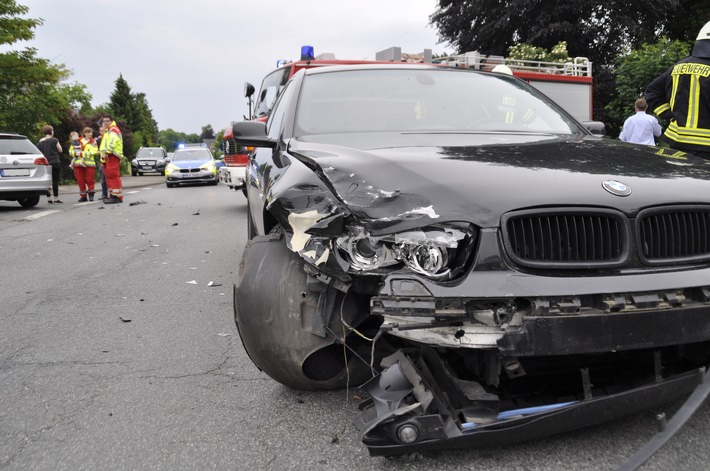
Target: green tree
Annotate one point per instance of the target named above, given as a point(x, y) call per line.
point(13, 28)
point(207, 132)
point(598, 30)
point(634, 71)
point(122, 102)
point(133, 110)
point(170, 139)
point(686, 18)
point(145, 122)
point(219, 151)
point(33, 91)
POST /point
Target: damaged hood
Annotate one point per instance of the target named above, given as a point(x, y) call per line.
point(407, 180)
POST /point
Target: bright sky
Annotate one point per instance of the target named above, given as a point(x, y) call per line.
point(191, 58)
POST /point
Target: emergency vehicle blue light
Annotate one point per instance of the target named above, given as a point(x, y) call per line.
point(181, 145)
point(307, 53)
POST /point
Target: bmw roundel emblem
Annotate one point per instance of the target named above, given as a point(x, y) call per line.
point(616, 188)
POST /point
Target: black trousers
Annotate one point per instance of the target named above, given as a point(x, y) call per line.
point(56, 173)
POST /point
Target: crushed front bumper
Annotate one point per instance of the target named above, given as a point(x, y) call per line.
point(408, 412)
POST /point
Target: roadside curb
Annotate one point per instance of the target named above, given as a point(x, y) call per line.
point(127, 181)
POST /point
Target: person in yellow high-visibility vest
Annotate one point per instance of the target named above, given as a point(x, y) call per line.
point(85, 173)
point(112, 152)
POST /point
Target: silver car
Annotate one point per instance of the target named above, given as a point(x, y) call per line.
point(25, 174)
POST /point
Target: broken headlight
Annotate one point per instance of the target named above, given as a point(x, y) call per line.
point(434, 251)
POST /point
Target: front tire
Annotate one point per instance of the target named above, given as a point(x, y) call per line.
point(169, 185)
point(276, 313)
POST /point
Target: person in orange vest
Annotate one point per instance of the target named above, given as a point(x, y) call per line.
point(77, 163)
point(112, 152)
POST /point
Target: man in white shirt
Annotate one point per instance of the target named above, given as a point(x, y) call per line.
point(641, 127)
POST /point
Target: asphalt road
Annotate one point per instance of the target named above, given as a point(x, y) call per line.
point(117, 353)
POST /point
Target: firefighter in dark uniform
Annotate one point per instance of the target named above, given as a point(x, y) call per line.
point(682, 95)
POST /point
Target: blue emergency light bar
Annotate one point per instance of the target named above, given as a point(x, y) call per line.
point(307, 53)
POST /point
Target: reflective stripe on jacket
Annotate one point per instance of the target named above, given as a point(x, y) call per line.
point(682, 95)
point(89, 151)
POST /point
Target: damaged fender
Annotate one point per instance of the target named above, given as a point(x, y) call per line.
point(284, 332)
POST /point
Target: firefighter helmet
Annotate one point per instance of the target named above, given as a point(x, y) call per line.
point(704, 32)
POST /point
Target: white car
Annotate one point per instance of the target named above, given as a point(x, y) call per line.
point(25, 174)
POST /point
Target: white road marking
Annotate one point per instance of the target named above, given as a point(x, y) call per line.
point(40, 215)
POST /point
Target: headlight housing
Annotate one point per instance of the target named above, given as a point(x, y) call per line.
point(438, 252)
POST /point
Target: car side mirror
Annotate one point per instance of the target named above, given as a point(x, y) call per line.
point(252, 133)
point(595, 127)
point(248, 90)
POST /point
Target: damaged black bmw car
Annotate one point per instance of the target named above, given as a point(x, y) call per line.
point(457, 244)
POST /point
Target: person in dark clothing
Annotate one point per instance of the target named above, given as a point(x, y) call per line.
point(682, 95)
point(52, 149)
point(101, 164)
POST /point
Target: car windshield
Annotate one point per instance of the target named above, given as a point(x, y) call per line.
point(427, 100)
point(201, 155)
point(154, 153)
point(17, 146)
